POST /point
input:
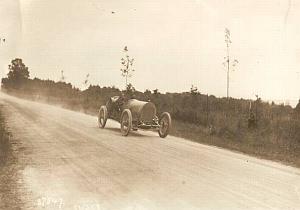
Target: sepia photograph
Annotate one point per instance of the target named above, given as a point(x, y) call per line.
point(149, 105)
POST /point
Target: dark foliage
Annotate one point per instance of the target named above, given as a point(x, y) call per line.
point(17, 75)
point(270, 124)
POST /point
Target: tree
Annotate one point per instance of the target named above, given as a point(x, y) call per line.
point(194, 91)
point(297, 110)
point(155, 91)
point(228, 63)
point(127, 64)
point(17, 75)
point(147, 92)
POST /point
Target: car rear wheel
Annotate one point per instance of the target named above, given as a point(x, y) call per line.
point(164, 125)
point(126, 122)
point(102, 116)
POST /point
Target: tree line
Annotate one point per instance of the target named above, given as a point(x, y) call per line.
point(228, 117)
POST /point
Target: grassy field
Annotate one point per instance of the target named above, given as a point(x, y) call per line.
point(252, 143)
point(274, 139)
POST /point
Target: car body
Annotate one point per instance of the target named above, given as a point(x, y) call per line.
point(134, 114)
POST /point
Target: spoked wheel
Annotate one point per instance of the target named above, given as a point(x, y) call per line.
point(126, 122)
point(102, 116)
point(165, 124)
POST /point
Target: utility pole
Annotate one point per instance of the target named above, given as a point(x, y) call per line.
point(62, 77)
point(227, 58)
point(256, 108)
point(86, 79)
point(2, 40)
point(207, 110)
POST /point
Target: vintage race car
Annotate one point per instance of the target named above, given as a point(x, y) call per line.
point(133, 115)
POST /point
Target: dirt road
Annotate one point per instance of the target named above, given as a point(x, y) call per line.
point(69, 163)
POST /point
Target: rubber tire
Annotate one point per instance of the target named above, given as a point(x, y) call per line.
point(105, 116)
point(129, 127)
point(167, 116)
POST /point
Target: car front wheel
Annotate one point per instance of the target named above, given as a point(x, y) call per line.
point(126, 122)
point(102, 116)
point(164, 124)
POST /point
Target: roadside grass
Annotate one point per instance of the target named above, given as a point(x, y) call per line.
point(277, 140)
point(5, 147)
point(252, 142)
point(9, 198)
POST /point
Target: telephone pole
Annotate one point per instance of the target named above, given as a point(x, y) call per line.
point(2, 40)
point(62, 77)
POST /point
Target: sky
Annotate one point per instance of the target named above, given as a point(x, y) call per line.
point(175, 43)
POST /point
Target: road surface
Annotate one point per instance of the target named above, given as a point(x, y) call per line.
point(70, 163)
